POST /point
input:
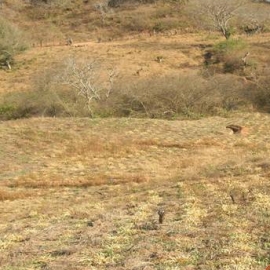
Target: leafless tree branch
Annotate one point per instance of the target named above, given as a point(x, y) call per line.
point(220, 12)
point(85, 79)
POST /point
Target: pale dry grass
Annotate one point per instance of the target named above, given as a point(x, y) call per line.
point(84, 194)
point(130, 56)
point(135, 61)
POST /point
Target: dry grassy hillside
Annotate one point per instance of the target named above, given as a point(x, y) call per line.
point(84, 194)
point(139, 60)
point(123, 38)
point(80, 193)
point(129, 56)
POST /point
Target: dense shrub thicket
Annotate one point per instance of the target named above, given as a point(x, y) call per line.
point(167, 97)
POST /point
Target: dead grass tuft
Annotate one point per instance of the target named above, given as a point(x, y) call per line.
point(204, 142)
point(55, 181)
point(13, 195)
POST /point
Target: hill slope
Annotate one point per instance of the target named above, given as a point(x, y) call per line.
point(84, 194)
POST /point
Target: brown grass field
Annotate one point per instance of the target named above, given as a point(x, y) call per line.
point(84, 194)
point(134, 57)
point(138, 53)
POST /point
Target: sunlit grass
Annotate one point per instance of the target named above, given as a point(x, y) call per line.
point(88, 192)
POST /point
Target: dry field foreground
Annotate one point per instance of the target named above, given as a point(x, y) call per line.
point(84, 194)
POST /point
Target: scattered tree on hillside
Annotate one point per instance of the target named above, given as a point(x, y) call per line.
point(89, 82)
point(220, 12)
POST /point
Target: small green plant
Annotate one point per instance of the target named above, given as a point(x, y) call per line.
point(6, 111)
point(228, 56)
point(230, 45)
point(11, 43)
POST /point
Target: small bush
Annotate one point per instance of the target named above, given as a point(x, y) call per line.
point(226, 56)
point(46, 98)
point(137, 24)
point(11, 43)
point(51, 103)
point(6, 111)
point(165, 24)
point(259, 94)
point(232, 64)
point(230, 45)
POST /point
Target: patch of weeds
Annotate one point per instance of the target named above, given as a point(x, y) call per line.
point(229, 45)
point(169, 245)
point(196, 256)
point(111, 254)
point(199, 188)
point(40, 265)
point(226, 170)
point(180, 193)
point(147, 226)
point(61, 252)
point(6, 111)
point(227, 56)
point(264, 262)
point(11, 43)
point(173, 263)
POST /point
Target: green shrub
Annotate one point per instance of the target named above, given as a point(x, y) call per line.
point(230, 45)
point(6, 111)
point(226, 56)
point(11, 43)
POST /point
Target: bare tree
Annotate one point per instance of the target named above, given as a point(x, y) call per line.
point(89, 81)
point(220, 12)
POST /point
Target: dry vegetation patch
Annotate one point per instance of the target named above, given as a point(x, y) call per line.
point(81, 194)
